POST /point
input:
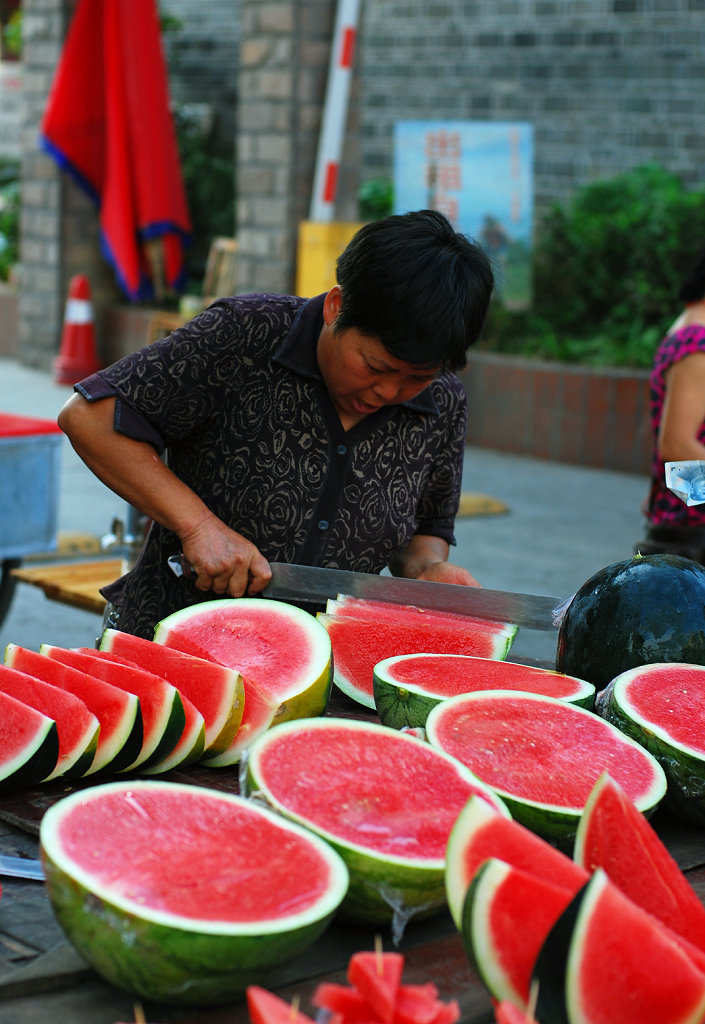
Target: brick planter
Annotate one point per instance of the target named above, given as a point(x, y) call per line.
point(565, 413)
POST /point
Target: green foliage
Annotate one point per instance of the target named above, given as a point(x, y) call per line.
point(9, 217)
point(375, 198)
point(607, 268)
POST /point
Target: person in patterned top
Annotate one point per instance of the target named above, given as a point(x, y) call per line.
point(677, 408)
point(326, 431)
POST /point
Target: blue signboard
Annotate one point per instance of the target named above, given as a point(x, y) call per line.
point(479, 173)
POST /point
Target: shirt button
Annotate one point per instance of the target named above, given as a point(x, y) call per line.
point(342, 449)
point(323, 524)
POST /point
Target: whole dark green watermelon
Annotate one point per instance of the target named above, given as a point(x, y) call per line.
point(635, 612)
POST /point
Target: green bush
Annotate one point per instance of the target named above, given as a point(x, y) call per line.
point(606, 271)
point(9, 217)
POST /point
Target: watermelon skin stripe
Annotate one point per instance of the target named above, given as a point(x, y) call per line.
point(37, 758)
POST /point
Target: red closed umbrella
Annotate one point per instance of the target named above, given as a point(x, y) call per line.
point(109, 124)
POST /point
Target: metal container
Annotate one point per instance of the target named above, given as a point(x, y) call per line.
point(30, 464)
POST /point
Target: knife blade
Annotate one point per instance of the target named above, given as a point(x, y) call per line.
point(21, 867)
point(315, 585)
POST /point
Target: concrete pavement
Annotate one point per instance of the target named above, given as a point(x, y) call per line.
point(562, 524)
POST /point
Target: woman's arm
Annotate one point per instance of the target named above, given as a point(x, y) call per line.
point(225, 561)
point(683, 410)
point(426, 558)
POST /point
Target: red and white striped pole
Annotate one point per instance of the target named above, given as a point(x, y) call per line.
point(335, 112)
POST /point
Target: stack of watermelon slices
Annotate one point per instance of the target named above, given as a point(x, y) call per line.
point(619, 910)
point(364, 633)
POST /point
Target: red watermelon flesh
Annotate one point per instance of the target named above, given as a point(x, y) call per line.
point(541, 750)
point(377, 977)
point(359, 644)
point(506, 917)
point(508, 1013)
point(29, 744)
point(445, 675)
point(77, 728)
point(163, 715)
point(118, 712)
point(614, 835)
point(215, 690)
point(390, 611)
point(265, 1007)
point(622, 965)
point(480, 833)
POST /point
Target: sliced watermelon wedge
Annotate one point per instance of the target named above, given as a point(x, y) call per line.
point(481, 833)
point(377, 976)
point(78, 729)
point(614, 835)
point(163, 715)
point(216, 691)
point(406, 686)
point(265, 1007)
point(507, 916)
point(542, 756)
point(190, 747)
point(282, 653)
point(644, 974)
point(118, 712)
point(29, 744)
point(360, 643)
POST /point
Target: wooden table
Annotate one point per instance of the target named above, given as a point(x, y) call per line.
point(75, 583)
point(43, 979)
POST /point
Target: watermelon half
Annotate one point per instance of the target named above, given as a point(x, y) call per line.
point(216, 691)
point(163, 717)
point(29, 744)
point(662, 706)
point(364, 633)
point(606, 959)
point(407, 686)
point(385, 800)
point(615, 836)
point(481, 833)
point(282, 653)
point(77, 728)
point(118, 712)
point(182, 894)
point(542, 756)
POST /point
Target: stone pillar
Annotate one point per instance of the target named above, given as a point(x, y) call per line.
point(284, 58)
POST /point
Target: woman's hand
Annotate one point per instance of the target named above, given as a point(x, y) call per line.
point(224, 561)
point(426, 558)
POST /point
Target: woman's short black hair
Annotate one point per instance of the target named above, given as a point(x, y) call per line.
point(693, 287)
point(418, 286)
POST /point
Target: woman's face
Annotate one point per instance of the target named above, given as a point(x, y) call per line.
point(359, 372)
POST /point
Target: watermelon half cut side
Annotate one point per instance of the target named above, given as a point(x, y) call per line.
point(282, 653)
point(163, 717)
point(606, 959)
point(480, 833)
point(615, 836)
point(29, 744)
point(216, 691)
point(507, 915)
point(407, 686)
point(77, 728)
point(184, 895)
point(662, 706)
point(361, 643)
point(118, 712)
point(542, 756)
point(385, 800)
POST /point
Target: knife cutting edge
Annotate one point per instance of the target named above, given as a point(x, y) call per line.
point(21, 867)
point(316, 585)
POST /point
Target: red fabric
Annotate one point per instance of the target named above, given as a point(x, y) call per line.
point(108, 122)
point(19, 426)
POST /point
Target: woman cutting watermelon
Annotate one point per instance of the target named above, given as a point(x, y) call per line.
point(327, 431)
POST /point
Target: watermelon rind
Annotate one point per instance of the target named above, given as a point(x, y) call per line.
point(403, 703)
point(684, 765)
point(556, 822)
point(305, 696)
point(189, 750)
point(384, 888)
point(36, 759)
point(157, 954)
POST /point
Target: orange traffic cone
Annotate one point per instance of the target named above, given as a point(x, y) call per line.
point(77, 356)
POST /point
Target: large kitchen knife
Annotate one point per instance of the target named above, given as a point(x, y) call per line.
point(315, 585)
point(21, 867)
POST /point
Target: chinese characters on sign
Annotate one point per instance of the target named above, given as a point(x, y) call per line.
point(479, 173)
